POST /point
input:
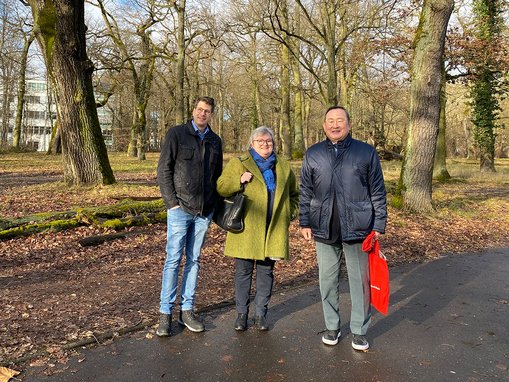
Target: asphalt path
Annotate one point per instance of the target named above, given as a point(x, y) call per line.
point(448, 321)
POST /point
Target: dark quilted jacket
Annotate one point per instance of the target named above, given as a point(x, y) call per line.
point(357, 178)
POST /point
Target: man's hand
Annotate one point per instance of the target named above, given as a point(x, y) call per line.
point(306, 233)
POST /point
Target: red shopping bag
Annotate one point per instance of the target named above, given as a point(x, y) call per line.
point(378, 274)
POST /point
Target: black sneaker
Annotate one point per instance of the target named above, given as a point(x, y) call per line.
point(331, 337)
point(360, 342)
point(188, 319)
point(164, 328)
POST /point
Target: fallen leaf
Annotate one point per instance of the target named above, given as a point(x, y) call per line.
point(6, 374)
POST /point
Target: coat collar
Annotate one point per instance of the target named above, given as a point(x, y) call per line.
point(282, 173)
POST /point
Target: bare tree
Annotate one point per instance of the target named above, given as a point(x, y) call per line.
point(141, 66)
point(417, 169)
point(8, 65)
point(16, 131)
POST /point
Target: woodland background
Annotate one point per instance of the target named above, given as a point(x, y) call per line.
point(425, 83)
point(275, 63)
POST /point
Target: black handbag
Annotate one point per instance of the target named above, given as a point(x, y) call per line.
point(229, 214)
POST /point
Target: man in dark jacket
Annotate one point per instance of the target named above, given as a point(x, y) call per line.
point(191, 161)
point(342, 199)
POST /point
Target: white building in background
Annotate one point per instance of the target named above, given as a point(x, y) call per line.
point(39, 115)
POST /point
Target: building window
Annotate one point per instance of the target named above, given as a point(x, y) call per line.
point(33, 99)
point(35, 114)
point(36, 86)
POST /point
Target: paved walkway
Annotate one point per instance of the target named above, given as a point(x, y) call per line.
point(448, 321)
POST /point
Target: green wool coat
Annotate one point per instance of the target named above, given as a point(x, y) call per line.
point(254, 243)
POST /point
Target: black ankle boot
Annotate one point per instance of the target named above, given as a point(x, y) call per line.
point(261, 323)
point(241, 322)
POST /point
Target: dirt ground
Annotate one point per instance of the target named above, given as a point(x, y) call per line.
point(56, 294)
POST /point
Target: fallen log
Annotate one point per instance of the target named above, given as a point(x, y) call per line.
point(30, 229)
point(35, 219)
point(126, 213)
point(100, 239)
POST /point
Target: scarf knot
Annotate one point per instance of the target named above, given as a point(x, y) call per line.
point(266, 167)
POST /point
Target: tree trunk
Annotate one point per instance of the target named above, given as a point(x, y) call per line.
point(132, 149)
point(342, 76)
point(488, 83)
point(6, 105)
point(254, 121)
point(16, 132)
point(55, 143)
point(180, 115)
point(141, 126)
point(440, 166)
point(60, 31)
point(485, 106)
point(298, 141)
point(422, 133)
point(286, 129)
point(329, 16)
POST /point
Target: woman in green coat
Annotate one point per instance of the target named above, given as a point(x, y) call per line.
point(272, 201)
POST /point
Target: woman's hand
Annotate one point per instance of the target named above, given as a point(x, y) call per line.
point(246, 177)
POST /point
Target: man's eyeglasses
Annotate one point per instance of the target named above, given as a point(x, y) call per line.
point(262, 141)
point(200, 110)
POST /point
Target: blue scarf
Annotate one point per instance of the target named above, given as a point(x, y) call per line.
point(266, 167)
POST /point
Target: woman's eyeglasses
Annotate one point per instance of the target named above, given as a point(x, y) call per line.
point(262, 141)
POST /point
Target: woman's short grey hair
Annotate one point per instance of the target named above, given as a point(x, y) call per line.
point(262, 130)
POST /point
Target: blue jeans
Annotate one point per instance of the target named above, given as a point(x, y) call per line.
point(184, 230)
point(357, 267)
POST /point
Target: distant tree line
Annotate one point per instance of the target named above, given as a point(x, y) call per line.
point(422, 80)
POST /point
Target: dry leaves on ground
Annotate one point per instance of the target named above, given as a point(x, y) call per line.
point(55, 292)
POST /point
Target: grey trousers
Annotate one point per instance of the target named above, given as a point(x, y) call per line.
point(357, 266)
point(264, 280)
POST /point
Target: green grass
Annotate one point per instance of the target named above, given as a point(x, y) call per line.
point(469, 193)
point(37, 162)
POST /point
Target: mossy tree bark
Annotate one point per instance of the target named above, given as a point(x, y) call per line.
point(440, 165)
point(422, 133)
point(488, 82)
point(60, 30)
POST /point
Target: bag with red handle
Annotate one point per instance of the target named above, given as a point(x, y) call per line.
point(378, 274)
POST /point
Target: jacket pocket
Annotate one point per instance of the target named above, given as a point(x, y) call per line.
point(186, 152)
point(315, 213)
point(360, 216)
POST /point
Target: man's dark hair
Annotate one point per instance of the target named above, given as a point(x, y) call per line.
point(208, 100)
point(340, 108)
